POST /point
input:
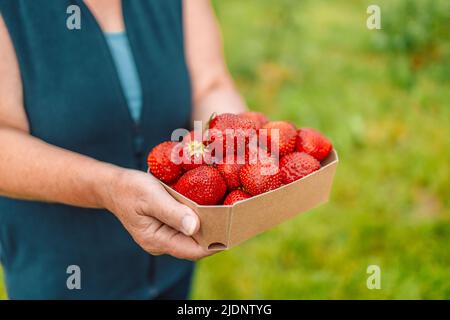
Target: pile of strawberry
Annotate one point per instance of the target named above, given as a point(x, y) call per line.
point(238, 173)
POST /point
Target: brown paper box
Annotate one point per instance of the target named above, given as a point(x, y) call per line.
point(223, 227)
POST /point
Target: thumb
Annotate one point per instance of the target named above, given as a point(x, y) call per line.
point(169, 211)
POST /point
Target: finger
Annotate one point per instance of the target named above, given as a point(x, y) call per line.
point(177, 244)
point(184, 247)
point(155, 253)
point(169, 211)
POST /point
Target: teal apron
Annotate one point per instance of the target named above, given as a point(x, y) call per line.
point(73, 99)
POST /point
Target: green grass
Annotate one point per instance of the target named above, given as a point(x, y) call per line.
point(2, 288)
point(383, 97)
point(316, 63)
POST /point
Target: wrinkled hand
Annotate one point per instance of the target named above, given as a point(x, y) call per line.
point(155, 220)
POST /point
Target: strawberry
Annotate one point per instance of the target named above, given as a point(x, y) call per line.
point(161, 165)
point(313, 143)
point(194, 136)
point(203, 185)
point(230, 127)
point(194, 152)
point(235, 196)
point(255, 154)
point(230, 173)
point(287, 135)
point(260, 177)
point(230, 121)
point(297, 165)
point(257, 117)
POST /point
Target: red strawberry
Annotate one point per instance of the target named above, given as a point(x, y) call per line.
point(194, 152)
point(161, 165)
point(230, 121)
point(260, 177)
point(255, 154)
point(230, 127)
point(194, 136)
point(230, 172)
point(203, 185)
point(257, 117)
point(297, 165)
point(313, 143)
point(235, 196)
point(287, 135)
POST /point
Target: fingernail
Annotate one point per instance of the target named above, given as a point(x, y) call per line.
point(189, 225)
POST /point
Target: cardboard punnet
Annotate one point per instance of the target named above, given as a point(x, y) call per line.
point(223, 227)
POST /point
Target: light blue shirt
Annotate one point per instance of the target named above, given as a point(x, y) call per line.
point(126, 68)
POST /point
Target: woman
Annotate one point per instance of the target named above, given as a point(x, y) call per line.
point(79, 110)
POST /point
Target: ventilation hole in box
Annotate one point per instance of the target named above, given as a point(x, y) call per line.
point(217, 246)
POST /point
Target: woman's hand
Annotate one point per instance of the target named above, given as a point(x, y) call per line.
point(155, 220)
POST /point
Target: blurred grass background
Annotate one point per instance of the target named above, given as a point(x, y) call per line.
point(383, 97)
